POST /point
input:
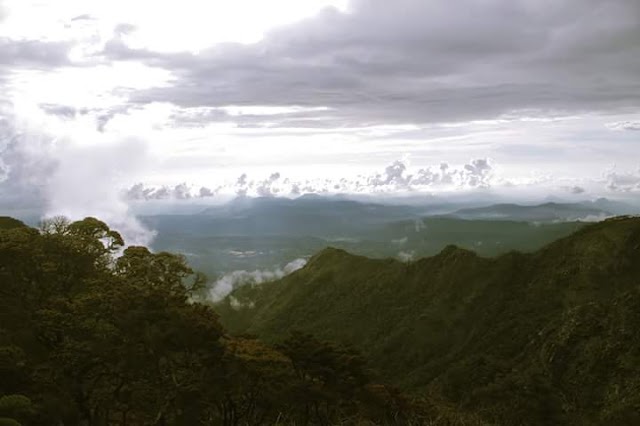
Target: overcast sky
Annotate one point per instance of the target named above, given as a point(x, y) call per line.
point(106, 101)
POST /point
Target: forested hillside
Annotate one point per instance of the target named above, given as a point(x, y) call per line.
point(93, 333)
point(538, 339)
point(90, 338)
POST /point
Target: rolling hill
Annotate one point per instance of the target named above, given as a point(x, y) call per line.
point(7, 222)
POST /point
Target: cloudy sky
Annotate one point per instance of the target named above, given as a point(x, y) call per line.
point(104, 102)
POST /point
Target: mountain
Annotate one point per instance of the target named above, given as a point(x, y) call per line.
point(306, 215)
point(543, 338)
point(265, 233)
point(269, 216)
point(548, 212)
point(614, 206)
point(215, 254)
point(93, 333)
point(7, 222)
point(428, 236)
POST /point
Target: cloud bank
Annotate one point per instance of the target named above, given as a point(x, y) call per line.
point(411, 61)
point(548, 90)
point(396, 177)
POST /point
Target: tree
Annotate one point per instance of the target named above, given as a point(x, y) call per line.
point(330, 377)
point(91, 334)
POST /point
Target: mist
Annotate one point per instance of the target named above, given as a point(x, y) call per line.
point(229, 282)
point(67, 167)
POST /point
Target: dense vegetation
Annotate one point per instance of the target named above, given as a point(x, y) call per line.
point(544, 338)
point(91, 338)
point(92, 333)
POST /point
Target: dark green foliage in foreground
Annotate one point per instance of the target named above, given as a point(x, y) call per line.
point(544, 338)
point(91, 338)
point(88, 338)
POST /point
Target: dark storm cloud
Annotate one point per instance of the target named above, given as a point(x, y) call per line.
point(419, 61)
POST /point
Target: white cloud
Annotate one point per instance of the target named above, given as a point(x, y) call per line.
point(400, 241)
point(205, 192)
point(69, 168)
point(394, 174)
point(396, 178)
point(623, 181)
point(330, 103)
point(84, 181)
point(181, 191)
point(267, 187)
point(257, 110)
point(624, 125)
point(406, 256)
point(478, 173)
point(237, 304)
point(171, 26)
point(227, 283)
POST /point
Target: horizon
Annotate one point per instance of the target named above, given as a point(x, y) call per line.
point(102, 108)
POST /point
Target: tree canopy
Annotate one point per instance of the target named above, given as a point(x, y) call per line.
point(93, 333)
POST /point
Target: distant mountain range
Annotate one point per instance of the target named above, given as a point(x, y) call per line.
point(334, 217)
point(588, 211)
point(253, 233)
point(313, 215)
point(259, 233)
point(308, 216)
point(547, 212)
point(544, 338)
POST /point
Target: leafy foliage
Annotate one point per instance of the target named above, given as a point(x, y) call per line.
point(92, 334)
point(95, 333)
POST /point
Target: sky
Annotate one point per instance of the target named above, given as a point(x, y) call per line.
point(107, 103)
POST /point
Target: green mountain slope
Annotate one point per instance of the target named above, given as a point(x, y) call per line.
point(543, 338)
point(7, 222)
point(92, 333)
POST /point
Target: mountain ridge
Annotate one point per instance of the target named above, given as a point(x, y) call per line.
point(549, 211)
point(427, 324)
